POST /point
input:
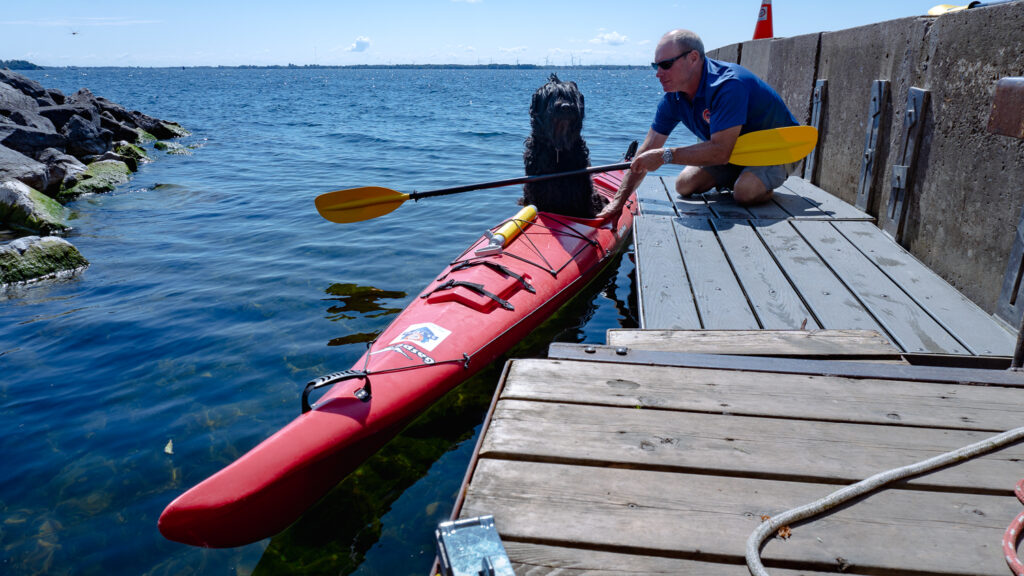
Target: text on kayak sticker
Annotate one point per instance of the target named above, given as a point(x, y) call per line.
point(402, 348)
point(427, 335)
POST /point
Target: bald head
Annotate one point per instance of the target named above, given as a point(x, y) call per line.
point(683, 40)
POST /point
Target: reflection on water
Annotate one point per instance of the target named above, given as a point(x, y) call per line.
point(362, 337)
point(361, 300)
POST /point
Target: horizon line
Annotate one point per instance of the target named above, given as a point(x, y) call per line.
point(3, 63)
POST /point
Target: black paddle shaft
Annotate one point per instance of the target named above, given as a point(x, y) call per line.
point(520, 180)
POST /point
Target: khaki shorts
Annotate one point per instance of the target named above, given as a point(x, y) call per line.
point(726, 175)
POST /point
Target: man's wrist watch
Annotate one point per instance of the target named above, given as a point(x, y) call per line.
point(666, 156)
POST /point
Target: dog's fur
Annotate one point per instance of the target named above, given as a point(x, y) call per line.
point(556, 145)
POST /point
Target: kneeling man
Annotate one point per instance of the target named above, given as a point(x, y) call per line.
point(717, 101)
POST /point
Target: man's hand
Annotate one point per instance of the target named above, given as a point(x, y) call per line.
point(613, 208)
point(638, 169)
point(647, 161)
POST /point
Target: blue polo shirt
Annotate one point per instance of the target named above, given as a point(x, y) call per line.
point(729, 95)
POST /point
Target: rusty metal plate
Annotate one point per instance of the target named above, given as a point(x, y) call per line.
point(1007, 118)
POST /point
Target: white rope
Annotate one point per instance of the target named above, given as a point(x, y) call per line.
point(772, 525)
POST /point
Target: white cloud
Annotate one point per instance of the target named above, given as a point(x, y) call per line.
point(513, 50)
point(360, 45)
point(612, 38)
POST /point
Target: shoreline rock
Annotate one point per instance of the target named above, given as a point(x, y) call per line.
point(24, 207)
point(55, 148)
point(36, 258)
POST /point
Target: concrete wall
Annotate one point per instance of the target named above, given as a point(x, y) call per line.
point(968, 189)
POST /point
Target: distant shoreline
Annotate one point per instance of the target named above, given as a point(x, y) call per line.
point(356, 67)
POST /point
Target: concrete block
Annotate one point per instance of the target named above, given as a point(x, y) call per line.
point(970, 185)
point(756, 56)
point(851, 60)
point(794, 64)
point(730, 53)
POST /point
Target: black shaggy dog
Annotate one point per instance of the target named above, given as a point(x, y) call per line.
point(556, 145)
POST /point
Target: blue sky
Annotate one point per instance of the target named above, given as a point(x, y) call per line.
point(342, 32)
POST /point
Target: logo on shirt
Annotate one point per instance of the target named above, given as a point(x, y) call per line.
point(427, 335)
point(707, 115)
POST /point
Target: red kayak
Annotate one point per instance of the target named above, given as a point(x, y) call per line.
point(483, 303)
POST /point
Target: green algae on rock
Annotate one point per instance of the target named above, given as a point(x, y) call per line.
point(24, 207)
point(35, 258)
point(102, 176)
point(129, 150)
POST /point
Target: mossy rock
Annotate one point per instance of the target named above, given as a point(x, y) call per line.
point(131, 151)
point(35, 258)
point(173, 148)
point(24, 207)
point(175, 129)
point(102, 176)
point(144, 137)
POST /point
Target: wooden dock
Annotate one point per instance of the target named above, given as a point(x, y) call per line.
point(805, 260)
point(771, 371)
point(616, 460)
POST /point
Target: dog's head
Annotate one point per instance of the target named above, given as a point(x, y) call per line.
point(556, 113)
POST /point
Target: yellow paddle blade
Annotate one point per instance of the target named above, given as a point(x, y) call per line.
point(358, 204)
point(773, 147)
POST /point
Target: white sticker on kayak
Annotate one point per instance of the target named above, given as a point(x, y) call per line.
point(426, 335)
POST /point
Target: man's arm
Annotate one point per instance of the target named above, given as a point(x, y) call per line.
point(633, 178)
point(714, 152)
point(650, 157)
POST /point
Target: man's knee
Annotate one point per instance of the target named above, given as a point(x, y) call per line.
point(693, 180)
point(750, 190)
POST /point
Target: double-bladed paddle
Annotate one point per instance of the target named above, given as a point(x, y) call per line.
point(761, 148)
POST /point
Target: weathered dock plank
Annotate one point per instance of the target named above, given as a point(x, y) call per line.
point(804, 255)
point(718, 294)
point(794, 343)
point(529, 559)
point(831, 301)
point(668, 300)
point(755, 447)
point(953, 406)
point(971, 325)
point(627, 466)
point(653, 198)
point(776, 303)
point(832, 207)
point(796, 205)
point(710, 517)
point(900, 315)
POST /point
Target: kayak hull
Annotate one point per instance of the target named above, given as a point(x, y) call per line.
point(476, 310)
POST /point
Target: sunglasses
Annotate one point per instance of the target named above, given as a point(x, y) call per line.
point(666, 64)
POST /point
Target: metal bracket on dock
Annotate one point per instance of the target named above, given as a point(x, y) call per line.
point(818, 104)
point(1007, 119)
point(903, 167)
point(1010, 306)
point(876, 120)
point(472, 547)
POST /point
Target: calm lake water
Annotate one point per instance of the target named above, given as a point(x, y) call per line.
point(216, 291)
